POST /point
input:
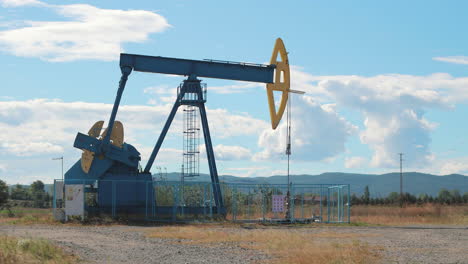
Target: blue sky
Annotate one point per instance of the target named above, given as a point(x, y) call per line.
point(381, 78)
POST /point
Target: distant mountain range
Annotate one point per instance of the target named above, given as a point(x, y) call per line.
point(379, 185)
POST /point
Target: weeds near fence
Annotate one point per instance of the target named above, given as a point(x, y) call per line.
point(15, 250)
point(412, 214)
point(27, 216)
point(286, 246)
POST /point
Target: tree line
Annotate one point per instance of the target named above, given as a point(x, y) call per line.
point(30, 196)
point(444, 196)
point(35, 196)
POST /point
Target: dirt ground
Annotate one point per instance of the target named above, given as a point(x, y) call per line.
point(130, 244)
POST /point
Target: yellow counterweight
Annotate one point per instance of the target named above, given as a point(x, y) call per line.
point(281, 82)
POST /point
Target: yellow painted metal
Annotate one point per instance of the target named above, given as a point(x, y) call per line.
point(281, 82)
point(87, 156)
point(95, 130)
point(117, 136)
point(117, 139)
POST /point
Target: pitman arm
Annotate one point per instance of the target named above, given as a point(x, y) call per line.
point(123, 80)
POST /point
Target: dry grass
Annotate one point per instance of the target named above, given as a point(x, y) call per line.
point(31, 251)
point(286, 246)
point(28, 216)
point(412, 214)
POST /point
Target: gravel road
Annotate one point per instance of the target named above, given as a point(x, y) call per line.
point(419, 244)
point(128, 244)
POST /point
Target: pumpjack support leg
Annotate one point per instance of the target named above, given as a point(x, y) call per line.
point(211, 161)
point(162, 136)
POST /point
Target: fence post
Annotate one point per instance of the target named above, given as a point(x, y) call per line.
point(321, 201)
point(302, 204)
point(264, 205)
point(181, 199)
point(203, 203)
point(113, 199)
point(328, 205)
point(54, 202)
point(146, 200)
point(292, 199)
point(84, 201)
point(154, 187)
point(234, 205)
point(340, 207)
point(211, 201)
point(248, 204)
point(349, 205)
point(175, 194)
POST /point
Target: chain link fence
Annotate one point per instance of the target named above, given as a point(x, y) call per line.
point(194, 201)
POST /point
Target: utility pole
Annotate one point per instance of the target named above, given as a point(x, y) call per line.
point(288, 153)
point(60, 158)
point(288, 137)
point(401, 179)
point(63, 182)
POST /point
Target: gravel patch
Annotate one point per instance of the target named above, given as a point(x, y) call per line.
point(128, 244)
point(419, 244)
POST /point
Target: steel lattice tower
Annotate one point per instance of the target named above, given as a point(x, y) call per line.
point(191, 138)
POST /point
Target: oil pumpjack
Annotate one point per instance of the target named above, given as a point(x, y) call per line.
point(110, 167)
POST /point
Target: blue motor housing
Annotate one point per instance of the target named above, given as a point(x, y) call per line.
point(118, 185)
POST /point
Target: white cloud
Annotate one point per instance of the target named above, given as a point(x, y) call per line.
point(3, 167)
point(237, 87)
point(318, 133)
point(159, 90)
point(16, 3)
point(224, 125)
point(167, 157)
point(42, 121)
point(34, 131)
point(453, 59)
point(355, 162)
point(229, 153)
point(246, 171)
point(30, 148)
point(453, 166)
point(91, 33)
point(435, 90)
point(393, 107)
point(165, 94)
point(389, 134)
